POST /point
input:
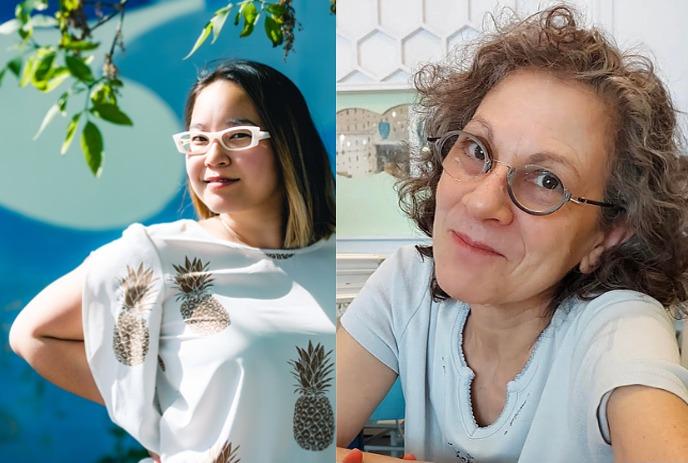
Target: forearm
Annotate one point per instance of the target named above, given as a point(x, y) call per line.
point(63, 363)
point(369, 457)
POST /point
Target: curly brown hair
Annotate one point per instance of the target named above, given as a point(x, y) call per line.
point(648, 174)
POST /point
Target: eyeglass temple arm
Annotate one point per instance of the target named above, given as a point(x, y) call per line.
point(580, 200)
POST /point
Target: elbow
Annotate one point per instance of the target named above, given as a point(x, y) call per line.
point(345, 435)
point(21, 337)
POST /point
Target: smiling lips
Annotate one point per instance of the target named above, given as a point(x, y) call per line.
point(475, 246)
point(220, 180)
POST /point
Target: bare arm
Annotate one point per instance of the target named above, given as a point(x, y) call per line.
point(647, 424)
point(48, 334)
point(362, 382)
point(355, 456)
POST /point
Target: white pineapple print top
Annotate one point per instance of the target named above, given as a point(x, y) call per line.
point(211, 351)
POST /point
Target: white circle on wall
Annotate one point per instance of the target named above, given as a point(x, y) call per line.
point(142, 170)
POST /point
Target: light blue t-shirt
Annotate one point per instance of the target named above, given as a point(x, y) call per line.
point(552, 411)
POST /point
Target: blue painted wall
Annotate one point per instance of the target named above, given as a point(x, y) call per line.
point(53, 213)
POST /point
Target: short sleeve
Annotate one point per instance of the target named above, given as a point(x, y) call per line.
point(631, 342)
point(379, 315)
point(121, 309)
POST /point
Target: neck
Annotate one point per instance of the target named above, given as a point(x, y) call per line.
point(263, 230)
point(503, 334)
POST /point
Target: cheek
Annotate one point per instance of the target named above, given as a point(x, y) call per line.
point(444, 198)
point(194, 169)
point(554, 248)
point(262, 167)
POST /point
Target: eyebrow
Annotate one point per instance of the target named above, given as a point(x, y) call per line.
point(228, 122)
point(540, 156)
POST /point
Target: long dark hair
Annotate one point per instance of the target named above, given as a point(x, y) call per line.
point(309, 205)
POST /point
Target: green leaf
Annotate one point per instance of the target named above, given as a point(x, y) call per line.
point(2, 74)
point(25, 32)
point(111, 113)
point(10, 27)
point(250, 14)
point(70, 5)
point(237, 18)
point(55, 79)
point(71, 130)
point(43, 66)
point(275, 9)
point(29, 68)
point(15, 66)
point(92, 147)
point(49, 116)
point(62, 103)
point(103, 93)
point(68, 43)
point(22, 13)
point(201, 38)
point(218, 21)
point(273, 31)
point(79, 69)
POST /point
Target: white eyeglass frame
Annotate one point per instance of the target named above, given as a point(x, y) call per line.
point(256, 136)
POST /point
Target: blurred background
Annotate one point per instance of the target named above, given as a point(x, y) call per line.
point(53, 211)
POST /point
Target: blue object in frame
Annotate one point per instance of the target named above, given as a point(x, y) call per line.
point(383, 129)
point(392, 407)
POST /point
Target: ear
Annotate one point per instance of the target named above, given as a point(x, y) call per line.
point(612, 238)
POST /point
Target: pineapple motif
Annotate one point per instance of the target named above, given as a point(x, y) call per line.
point(200, 310)
point(228, 454)
point(131, 338)
point(313, 415)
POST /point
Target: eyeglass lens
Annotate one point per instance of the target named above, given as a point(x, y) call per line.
point(199, 142)
point(533, 188)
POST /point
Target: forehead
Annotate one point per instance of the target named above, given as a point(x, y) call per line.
point(223, 100)
point(533, 112)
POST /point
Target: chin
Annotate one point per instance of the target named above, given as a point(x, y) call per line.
point(465, 287)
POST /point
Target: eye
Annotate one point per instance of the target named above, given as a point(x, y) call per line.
point(547, 180)
point(474, 151)
point(199, 139)
point(240, 135)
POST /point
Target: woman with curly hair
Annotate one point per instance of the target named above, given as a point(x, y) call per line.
point(537, 326)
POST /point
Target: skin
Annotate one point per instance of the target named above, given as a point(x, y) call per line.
point(509, 288)
point(252, 206)
point(48, 332)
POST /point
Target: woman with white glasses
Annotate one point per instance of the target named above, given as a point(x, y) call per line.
point(212, 340)
point(536, 327)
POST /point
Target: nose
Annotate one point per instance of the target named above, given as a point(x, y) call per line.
point(489, 198)
point(216, 155)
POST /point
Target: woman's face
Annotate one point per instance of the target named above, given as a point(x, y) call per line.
point(232, 181)
point(487, 250)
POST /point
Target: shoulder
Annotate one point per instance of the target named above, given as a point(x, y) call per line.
point(616, 307)
point(166, 229)
point(397, 288)
point(407, 265)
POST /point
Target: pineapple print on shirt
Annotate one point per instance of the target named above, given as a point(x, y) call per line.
point(200, 310)
point(313, 415)
point(131, 338)
point(228, 454)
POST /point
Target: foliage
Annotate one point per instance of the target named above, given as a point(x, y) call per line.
point(279, 22)
point(47, 67)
